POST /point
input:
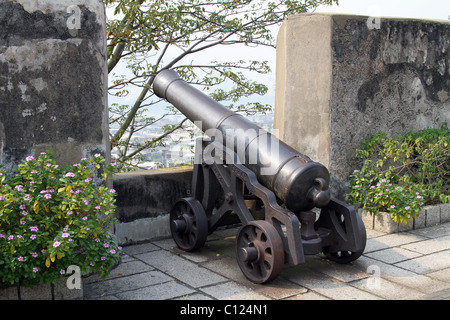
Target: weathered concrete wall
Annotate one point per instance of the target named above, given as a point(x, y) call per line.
point(341, 77)
point(144, 200)
point(53, 79)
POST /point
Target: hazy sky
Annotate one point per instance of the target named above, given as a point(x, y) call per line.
point(430, 9)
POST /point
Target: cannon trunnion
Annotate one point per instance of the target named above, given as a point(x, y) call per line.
point(272, 189)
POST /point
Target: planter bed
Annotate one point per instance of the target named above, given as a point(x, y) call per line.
point(429, 216)
point(57, 291)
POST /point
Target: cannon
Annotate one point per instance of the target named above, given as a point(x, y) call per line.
point(280, 196)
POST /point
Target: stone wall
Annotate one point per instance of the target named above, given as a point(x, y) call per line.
point(53, 80)
point(144, 200)
point(340, 77)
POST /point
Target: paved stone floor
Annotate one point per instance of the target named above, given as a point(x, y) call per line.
point(412, 265)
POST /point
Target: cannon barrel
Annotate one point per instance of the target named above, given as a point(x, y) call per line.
point(299, 182)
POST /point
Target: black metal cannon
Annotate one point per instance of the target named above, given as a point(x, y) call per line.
point(242, 169)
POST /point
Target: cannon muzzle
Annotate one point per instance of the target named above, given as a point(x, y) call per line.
point(300, 183)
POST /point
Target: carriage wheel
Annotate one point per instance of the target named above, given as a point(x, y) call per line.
point(259, 251)
point(188, 224)
point(348, 256)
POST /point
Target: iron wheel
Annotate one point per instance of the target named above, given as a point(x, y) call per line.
point(188, 224)
point(344, 256)
point(260, 251)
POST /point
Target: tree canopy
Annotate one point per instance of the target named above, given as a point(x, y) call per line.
point(148, 36)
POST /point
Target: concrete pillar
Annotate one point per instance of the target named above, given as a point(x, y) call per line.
point(340, 77)
point(53, 79)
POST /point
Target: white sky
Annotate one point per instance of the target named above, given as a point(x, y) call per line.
point(430, 9)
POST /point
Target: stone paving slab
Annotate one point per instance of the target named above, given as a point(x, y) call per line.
point(160, 291)
point(180, 268)
point(404, 266)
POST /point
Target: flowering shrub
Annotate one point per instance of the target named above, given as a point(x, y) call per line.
point(51, 218)
point(401, 175)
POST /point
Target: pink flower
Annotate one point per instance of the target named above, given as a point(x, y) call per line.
point(22, 207)
point(69, 213)
point(112, 191)
point(10, 237)
point(2, 198)
point(112, 251)
point(97, 207)
point(33, 236)
point(103, 258)
point(48, 196)
point(35, 270)
point(34, 229)
point(22, 222)
point(56, 244)
point(24, 213)
point(62, 271)
point(106, 245)
point(20, 258)
point(34, 254)
point(392, 206)
point(407, 208)
point(84, 218)
point(29, 158)
point(70, 174)
point(65, 235)
point(19, 187)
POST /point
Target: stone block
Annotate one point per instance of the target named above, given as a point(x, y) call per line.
point(406, 227)
point(445, 212)
point(384, 223)
point(9, 293)
point(433, 215)
point(38, 292)
point(367, 218)
point(420, 220)
point(61, 291)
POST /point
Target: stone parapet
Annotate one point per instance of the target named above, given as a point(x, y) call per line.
point(53, 83)
point(340, 77)
point(144, 200)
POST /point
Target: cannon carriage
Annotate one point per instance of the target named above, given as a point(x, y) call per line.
point(275, 191)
